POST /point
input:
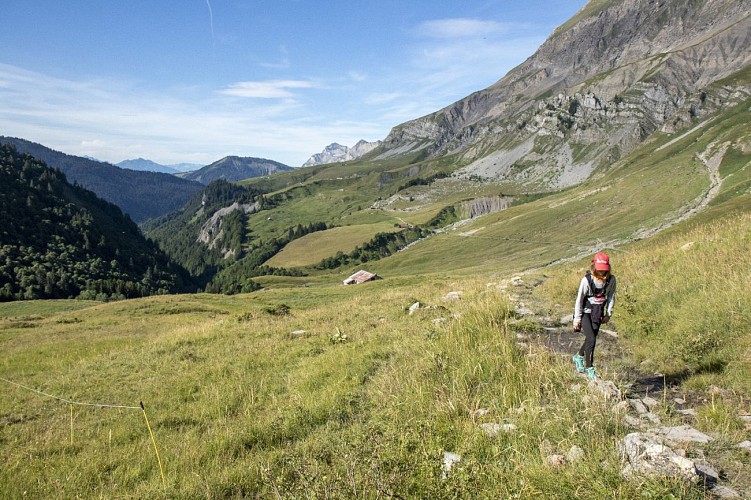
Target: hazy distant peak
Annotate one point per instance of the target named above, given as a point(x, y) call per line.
point(335, 152)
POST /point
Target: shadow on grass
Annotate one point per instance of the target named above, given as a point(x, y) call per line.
point(645, 384)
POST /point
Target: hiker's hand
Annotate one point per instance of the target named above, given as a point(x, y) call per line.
point(605, 319)
point(577, 327)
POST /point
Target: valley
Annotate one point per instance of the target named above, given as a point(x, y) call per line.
point(222, 315)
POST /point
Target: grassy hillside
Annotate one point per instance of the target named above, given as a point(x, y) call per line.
point(313, 248)
point(337, 391)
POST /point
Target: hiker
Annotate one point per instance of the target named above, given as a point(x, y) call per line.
point(594, 306)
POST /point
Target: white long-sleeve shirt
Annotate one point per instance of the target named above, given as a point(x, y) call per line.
point(584, 295)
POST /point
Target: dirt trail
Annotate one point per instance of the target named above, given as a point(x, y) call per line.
point(557, 335)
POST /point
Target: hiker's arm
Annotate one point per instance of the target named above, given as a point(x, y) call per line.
point(611, 299)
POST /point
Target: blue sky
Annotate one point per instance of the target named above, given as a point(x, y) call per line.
point(196, 80)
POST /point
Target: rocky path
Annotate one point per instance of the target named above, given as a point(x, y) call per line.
point(658, 410)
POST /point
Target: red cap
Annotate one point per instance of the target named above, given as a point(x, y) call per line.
point(602, 261)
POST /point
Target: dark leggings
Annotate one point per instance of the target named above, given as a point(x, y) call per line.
point(590, 339)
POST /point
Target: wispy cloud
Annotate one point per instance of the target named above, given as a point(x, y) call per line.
point(270, 89)
point(460, 28)
point(114, 121)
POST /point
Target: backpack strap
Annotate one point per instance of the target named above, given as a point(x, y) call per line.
point(592, 287)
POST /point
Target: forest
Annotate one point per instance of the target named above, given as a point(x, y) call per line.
point(62, 241)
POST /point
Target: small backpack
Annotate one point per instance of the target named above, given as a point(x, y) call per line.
point(597, 298)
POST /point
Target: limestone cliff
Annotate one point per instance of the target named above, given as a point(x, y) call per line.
point(600, 84)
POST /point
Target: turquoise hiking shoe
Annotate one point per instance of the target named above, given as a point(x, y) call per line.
point(591, 373)
point(579, 362)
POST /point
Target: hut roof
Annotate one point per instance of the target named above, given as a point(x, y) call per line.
point(361, 277)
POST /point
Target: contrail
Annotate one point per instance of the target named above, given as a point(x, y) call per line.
point(211, 18)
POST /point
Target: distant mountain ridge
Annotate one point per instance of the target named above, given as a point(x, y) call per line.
point(142, 195)
point(236, 168)
point(336, 152)
point(143, 164)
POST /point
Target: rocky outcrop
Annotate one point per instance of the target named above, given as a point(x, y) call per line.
point(483, 206)
point(599, 86)
point(211, 232)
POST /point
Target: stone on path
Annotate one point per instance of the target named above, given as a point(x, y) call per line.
point(682, 433)
point(605, 388)
point(689, 412)
point(638, 406)
point(632, 421)
point(724, 492)
point(651, 417)
point(647, 456)
point(650, 402)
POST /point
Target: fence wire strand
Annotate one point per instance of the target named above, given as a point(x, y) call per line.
point(79, 403)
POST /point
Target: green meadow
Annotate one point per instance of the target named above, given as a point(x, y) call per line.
point(308, 388)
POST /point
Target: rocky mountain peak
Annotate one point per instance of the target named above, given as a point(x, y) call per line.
point(602, 82)
point(335, 152)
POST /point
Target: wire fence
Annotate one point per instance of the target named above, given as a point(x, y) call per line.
point(72, 403)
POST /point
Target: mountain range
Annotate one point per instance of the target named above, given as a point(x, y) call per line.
point(141, 195)
point(614, 79)
point(150, 166)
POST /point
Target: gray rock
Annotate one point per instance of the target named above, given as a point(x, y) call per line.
point(298, 333)
point(523, 310)
point(632, 422)
point(453, 296)
point(645, 455)
point(555, 461)
point(574, 454)
point(449, 460)
point(638, 406)
point(682, 433)
point(724, 492)
point(650, 402)
point(605, 388)
point(706, 471)
point(689, 412)
point(480, 412)
point(621, 406)
point(491, 429)
point(651, 417)
point(679, 401)
point(508, 428)
point(414, 307)
point(744, 445)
